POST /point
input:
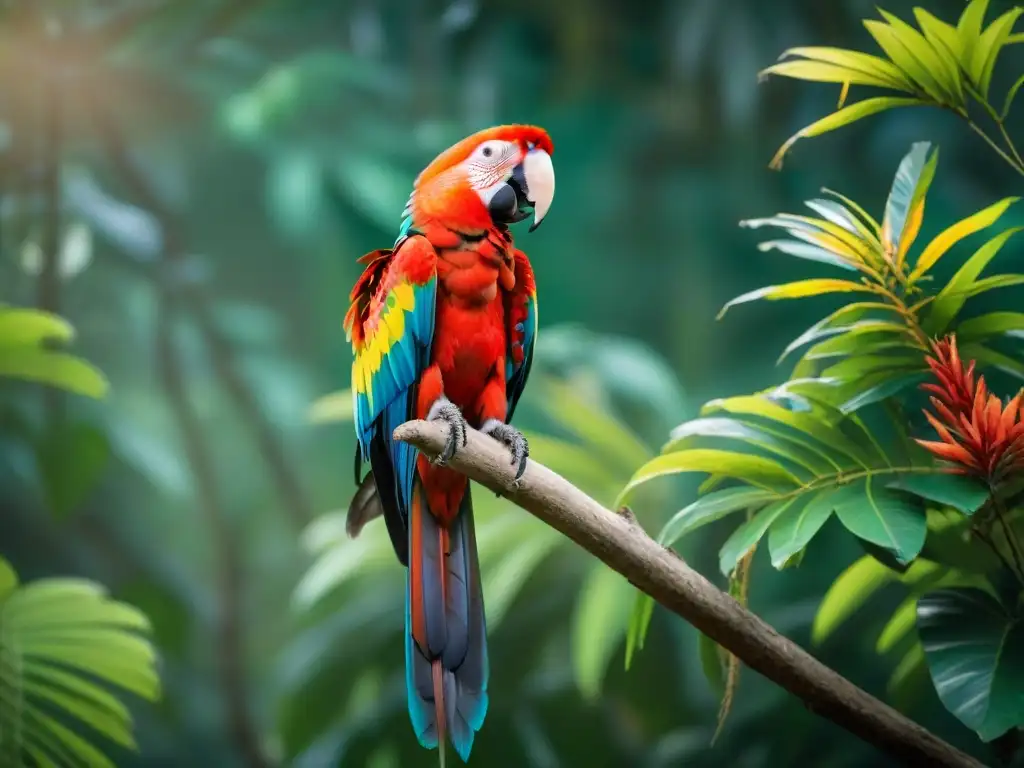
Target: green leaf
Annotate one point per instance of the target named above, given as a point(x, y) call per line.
point(828, 325)
point(744, 538)
point(882, 517)
point(72, 461)
point(796, 526)
point(975, 653)
point(822, 72)
point(851, 589)
point(992, 283)
point(992, 324)
point(904, 208)
point(598, 626)
point(711, 663)
point(942, 36)
point(909, 51)
point(504, 580)
point(899, 625)
point(797, 290)
point(331, 409)
point(711, 507)
point(1010, 96)
point(969, 30)
point(963, 493)
point(952, 298)
point(882, 388)
point(54, 368)
point(755, 470)
point(775, 440)
point(861, 337)
point(843, 117)
point(70, 640)
point(32, 327)
point(990, 357)
point(986, 52)
point(949, 237)
point(639, 623)
point(849, 247)
point(853, 61)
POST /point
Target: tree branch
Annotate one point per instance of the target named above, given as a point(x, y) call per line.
point(623, 545)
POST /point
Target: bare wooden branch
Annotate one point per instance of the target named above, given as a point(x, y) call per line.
point(669, 580)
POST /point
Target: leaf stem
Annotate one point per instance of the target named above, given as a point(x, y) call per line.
point(1011, 538)
point(1017, 166)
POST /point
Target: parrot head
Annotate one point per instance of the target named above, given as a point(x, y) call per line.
point(503, 174)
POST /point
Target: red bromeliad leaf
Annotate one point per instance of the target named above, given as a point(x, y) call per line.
point(978, 434)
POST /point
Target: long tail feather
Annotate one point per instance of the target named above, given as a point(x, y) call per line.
point(447, 668)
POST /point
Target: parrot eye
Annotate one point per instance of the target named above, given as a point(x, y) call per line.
point(491, 152)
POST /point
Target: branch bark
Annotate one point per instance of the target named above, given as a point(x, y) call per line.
point(622, 544)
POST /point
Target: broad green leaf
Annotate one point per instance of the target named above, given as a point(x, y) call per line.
point(54, 368)
point(899, 625)
point(797, 290)
point(949, 237)
point(72, 461)
point(905, 206)
point(963, 493)
point(8, 579)
point(992, 324)
point(845, 116)
point(504, 580)
point(986, 52)
point(851, 589)
point(909, 51)
point(855, 61)
point(754, 470)
point(826, 434)
point(333, 408)
point(952, 297)
point(975, 653)
point(883, 517)
point(951, 542)
point(711, 507)
point(116, 727)
point(796, 526)
point(745, 538)
point(639, 622)
point(599, 624)
point(778, 441)
point(858, 366)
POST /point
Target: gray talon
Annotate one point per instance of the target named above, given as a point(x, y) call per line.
point(445, 410)
point(513, 438)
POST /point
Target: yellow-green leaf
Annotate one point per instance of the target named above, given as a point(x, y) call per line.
point(32, 327)
point(949, 237)
point(54, 368)
point(985, 53)
point(1010, 96)
point(856, 61)
point(951, 298)
point(848, 592)
point(969, 30)
point(943, 72)
point(797, 290)
point(941, 35)
point(820, 72)
point(845, 116)
point(899, 625)
point(907, 55)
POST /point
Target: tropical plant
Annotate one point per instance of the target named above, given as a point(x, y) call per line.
point(835, 439)
point(63, 642)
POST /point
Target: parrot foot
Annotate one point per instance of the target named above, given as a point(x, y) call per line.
point(513, 438)
point(445, 410)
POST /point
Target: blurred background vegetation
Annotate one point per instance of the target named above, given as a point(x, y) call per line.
point(189, 183)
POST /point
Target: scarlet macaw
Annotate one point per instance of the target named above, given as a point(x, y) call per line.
point(443, 327)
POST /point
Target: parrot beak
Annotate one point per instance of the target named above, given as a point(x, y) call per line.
point(534, 179)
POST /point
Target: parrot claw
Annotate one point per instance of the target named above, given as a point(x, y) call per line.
point(445, 410)
point(513, 438)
